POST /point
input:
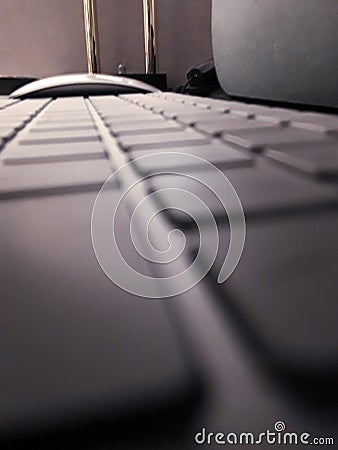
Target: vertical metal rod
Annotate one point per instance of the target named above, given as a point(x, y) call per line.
point(92, 42)
point(150, 36)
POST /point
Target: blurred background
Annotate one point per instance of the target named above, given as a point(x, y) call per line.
point(39, 38)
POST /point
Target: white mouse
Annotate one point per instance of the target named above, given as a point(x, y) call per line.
point(82, 84)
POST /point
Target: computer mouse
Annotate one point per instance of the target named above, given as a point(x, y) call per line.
point(82, 84)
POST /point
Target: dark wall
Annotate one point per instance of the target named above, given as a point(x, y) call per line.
point(45, 37)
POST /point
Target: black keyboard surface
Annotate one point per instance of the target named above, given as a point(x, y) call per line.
point(87, 357)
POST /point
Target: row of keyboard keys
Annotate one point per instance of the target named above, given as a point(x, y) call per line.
point(271, 129)
point(15, 116)
point(53, 138)
point(165, 105)
point(276, 131)
point(171, 103)
point(47, 160)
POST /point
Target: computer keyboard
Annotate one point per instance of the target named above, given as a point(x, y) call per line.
point(236, 356)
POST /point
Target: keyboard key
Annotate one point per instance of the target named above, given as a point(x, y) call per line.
point(278, 116)
point(31, 154)
point(81, 112)
point(149, 103)
point(172, 110)
point(54, 178)
point(5, 102)
point(318, 160)
point(123, 109)
point(67, 108)
point(7, 131)
point(144, 127)
point(136, 98)
point(29, 105)
point(215, 105)
point(121, 117)
point(163, 140)
point(220, 155)
point(263, 190)
point(284, 292)
point(77, 345)
point(36, 134)
point(196, 101)
point(123, 120)
point(68, 104)
point(59, 138)
point(189, 118)
point(229, 123)
point(59, 121)
point(324, 123)
point(15, 118)
point(257, 140)
point(47, 128)
point(248, 110)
